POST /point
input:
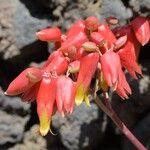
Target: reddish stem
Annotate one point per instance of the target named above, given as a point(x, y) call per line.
point(111, 113)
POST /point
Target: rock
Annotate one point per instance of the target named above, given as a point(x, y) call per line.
point(70, 11)
point(142, 7)
point(25, 24)
point(14, 105)
point(14, 115)
point(82, 129)
point(18, 44)
point(11, 128)
point(115, 8)
point(32, 140)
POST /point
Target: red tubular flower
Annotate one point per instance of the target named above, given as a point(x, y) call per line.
point(108, 35)
point(24, 81)
point(113, 74)
point(123, 89)
point(128, 54)
point(49, 34)
point(58, 65)
point(92, 23)
point(88, 67)
point(45, 102)
point(141, 28)
point(75, 41)
point(79, 26)
point(65, 95)
point(110, 65)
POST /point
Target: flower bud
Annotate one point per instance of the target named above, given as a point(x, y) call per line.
point(49, 34)
point(141, 28)
point(24, 81)
point(75, 41)
point(89, 46)
point(77, 27)
point(112, 20)
point(107, 34)
point(92, 23)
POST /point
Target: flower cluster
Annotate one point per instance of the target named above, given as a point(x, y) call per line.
point(89, 52)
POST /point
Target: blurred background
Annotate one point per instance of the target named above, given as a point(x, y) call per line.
point(86, 128)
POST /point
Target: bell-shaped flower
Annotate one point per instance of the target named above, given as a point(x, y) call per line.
point(65, 93)
point(113, 74)
point(128, 54)
point(110, 66)
point(88, 66)
point(77, 27)
point(49, 34)
point(45, 102)
point(123, 89)
point(141, 28)
point(24, 81)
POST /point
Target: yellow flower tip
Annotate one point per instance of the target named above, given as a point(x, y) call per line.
point(78, 101)
point(44, 124)
point(79, 95)
point(87, 101)
point(44, 131)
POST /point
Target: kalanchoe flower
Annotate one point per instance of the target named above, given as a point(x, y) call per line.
point(65, 94)
point(45, 102)
point(141, 28)
point(49, 34)
point(87, 70)
point(128, 52)
point(24, 81)
point(88, 50)
point(76, 41)
point(108, 35)
point(123, 89)
point(79, 26)
point(110, 65)
point(92, 23)
point(113, 74)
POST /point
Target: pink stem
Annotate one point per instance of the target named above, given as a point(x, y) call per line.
point(111, 113)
